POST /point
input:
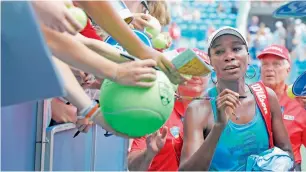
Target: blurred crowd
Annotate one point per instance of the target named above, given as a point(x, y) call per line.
point(290, 33)
point(194, 21)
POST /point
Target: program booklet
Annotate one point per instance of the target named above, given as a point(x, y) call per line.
point(189, 63)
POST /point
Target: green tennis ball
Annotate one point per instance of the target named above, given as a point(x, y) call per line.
point(155, 30)
point(159, 42)
point(289, 92)
point(136, 111)
point(79, 15)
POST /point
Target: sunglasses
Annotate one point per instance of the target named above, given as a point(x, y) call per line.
point(145, 4)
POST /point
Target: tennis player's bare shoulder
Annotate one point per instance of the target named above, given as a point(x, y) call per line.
point(199, 112)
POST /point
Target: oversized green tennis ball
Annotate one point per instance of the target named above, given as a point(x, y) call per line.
point(79, 15)
point(136, 111)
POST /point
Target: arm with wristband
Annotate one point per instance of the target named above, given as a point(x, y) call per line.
point(88, 110)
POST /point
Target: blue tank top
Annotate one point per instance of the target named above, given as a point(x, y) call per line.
point(238, 141)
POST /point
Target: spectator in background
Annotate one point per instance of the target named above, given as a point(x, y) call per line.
point(157, 9)
point(275, 69)
point(211, 29)
point(252, 32)
point(261, 39)
point(279, 33)
point(300, 40)
point(196, 14)
point(253, 27)
point(176, 8)
point(220, 8)
point(175, 33)
point(289, 40)
point(234, 7)
point(298, 26)
point(269, 36)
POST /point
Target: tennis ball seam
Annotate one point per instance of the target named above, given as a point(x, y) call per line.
point(109, 120)
point(132, 109)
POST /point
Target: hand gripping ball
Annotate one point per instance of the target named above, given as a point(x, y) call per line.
point(136, 111)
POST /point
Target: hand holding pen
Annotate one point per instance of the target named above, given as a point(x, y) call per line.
point(178, 97)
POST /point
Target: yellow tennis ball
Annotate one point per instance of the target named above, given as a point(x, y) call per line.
point(289, 92)
point(79, 15)
point(159, 42)
point(155, 29)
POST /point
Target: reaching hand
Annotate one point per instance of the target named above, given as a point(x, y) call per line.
point(164, 64)
point(141, 21)
point(84, 124)
point(55, 15)
point(156, 141)
point(136, 73)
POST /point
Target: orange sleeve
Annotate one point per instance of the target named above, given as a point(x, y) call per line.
point(138, 144)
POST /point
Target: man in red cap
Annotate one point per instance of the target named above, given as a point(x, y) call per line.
point(161, 151)
point(275, 61)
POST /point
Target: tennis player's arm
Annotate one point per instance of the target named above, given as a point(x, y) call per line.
point(109, 20)
point(197, 152)
point(280, 134)
point(70, 51)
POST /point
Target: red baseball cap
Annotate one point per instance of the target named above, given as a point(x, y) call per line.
point(277, 50)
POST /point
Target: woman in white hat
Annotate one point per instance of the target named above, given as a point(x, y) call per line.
point(239, 121)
